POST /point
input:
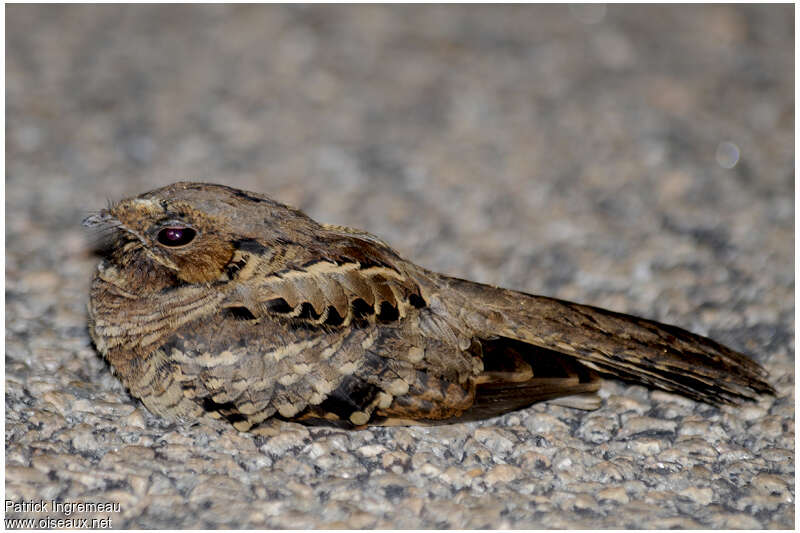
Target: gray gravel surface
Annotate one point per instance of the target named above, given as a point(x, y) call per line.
point(635, 158)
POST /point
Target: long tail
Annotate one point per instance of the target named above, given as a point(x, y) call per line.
point(625, 346)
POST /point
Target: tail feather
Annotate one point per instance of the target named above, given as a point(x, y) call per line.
point(625, 346)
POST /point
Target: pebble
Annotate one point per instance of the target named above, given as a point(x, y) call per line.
point(85, 441)
point(502, 474)
point(636, 425)
point(622, 405)
point(427, 469)
point(544, 423)
point(616, 494)
point(567, 458)
point(395, 459)
point(61, 402)
point(531, 460)
point(25, 474)
point(135, 419)
point(60, 462)
point(177, 452)
point(751, 412)
point(213, 488)
point(696, 449)
point(664, 397)
point(735, 521)
point(663, 467)
point(476, 453)
point(713, 433)
point(139, 484)
point(235, 442)
point(646, 446)
point(109, 409)
point(771, 426)
point(598, 428)
point(17, 456)
point(371, 450)
point(700, 496)
point(778, 455)
point(606, 472)
point(729, 452)
point(457, 477)
point(280, 444)
point(495, 439)
point(771, 485)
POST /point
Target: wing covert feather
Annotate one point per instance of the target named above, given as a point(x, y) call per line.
point(310, 287)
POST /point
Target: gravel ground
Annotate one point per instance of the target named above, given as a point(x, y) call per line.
point(635, 158)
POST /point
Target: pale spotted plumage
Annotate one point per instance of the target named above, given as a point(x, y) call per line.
point(224, 303)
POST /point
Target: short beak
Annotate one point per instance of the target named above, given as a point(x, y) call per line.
point(103, 218)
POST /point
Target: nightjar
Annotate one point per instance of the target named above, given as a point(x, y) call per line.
point(218, 302)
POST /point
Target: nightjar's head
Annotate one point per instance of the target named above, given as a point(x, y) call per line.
point(191, 230)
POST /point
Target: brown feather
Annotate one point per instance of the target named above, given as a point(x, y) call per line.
point(239, 322)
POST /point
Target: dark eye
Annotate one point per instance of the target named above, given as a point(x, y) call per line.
point(176, 236)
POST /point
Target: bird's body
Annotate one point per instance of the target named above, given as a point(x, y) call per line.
point(224, 303)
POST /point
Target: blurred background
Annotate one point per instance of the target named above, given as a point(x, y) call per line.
point(639, 158)
point(514, 127)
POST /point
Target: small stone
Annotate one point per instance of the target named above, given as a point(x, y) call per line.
point(778, 455)
point(606, 472)
point(25, 474)
point(60, 401)
point(697, 448)
point(502, 474)
point(429, 470)
point(771, 485)
point(700, 472)
point(636, 425)
point(235, 442)
point(289, 438)
point(139, 484)
point(623, 404)
point(110, 409)
point(214, 488)
point(394, 459)
point(534, 461)
point(299, 469)
point(585, 502)
point(729, 453)
point(659, 496)
point(597, 429)
point(563, 462)
point(495, 439)
point(60, 462)
point(616, 494)
point(751, 412)
point(710, 432)
point(371, 450)
point(661, 397)
point(135, 419)
point(85, 441)
point(701, 496)
point(646, 446)
point(662, 466)
point(544, 423)
point(456, 477)
point(737, 521)
point(767, 425)
point(177, 452)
